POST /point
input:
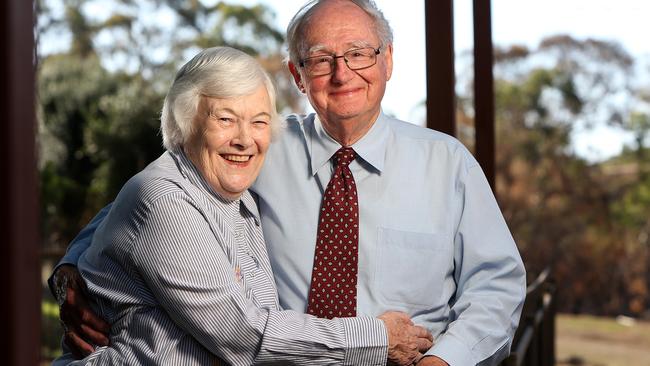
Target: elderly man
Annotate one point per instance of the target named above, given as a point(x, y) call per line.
point(363, 213)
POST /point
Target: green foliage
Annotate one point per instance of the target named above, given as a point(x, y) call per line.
point(69, 90)
point(581, 218)
point(99, 102)
point(52, 332)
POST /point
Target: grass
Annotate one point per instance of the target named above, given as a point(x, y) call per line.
point(591, 341)
point(50, 330)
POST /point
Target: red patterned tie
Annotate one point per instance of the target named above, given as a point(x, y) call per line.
point(333, 291)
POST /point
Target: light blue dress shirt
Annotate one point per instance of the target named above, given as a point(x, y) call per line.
point(433, 242)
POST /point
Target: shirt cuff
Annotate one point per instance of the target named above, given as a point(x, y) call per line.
point(366, 341)
point(50, 280)
point(452, 351)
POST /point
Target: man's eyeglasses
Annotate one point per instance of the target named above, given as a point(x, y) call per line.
point(356, 59)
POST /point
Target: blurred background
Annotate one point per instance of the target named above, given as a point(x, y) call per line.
point(572, 109)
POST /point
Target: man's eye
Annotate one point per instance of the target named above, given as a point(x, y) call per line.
point(358, 54)
point(320, 60)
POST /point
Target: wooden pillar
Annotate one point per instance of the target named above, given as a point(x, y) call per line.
point(484, 89)
point(19, 261)
point(441, 95)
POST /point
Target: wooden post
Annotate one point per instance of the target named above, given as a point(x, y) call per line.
point(20, 312)
point(484, 89)
point(441, 95)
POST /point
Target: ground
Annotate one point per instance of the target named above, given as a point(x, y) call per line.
point(591, 341)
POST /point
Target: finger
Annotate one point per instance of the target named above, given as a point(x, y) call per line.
point(70, 315)
point(403, 316)
point(78, 311)
point(93, 336)
point(422, 332)
point(398, 315)
point(77, 345)
point(89, 318)
point(84, 324)
point(395, 317)
point(423, 344)
point(72, 298)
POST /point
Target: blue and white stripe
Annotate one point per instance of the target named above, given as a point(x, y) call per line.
point(184, 278)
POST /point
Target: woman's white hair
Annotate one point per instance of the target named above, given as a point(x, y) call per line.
point(297, 25)
point(220, 72)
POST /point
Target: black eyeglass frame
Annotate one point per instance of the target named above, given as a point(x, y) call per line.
point(377, 51)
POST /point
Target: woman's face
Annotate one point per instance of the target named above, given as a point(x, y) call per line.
point(230, 140)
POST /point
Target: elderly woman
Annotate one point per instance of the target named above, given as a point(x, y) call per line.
point(179, 267)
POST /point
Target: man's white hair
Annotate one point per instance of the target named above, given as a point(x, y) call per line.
point(297, 25)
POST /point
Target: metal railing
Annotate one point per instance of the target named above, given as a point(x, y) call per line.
point(534, 342)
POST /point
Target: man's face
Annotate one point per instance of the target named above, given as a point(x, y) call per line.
point(344, 96)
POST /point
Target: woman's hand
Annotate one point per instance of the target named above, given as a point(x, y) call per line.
point(406, 341)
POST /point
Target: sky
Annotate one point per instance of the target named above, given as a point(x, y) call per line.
point(514, 22)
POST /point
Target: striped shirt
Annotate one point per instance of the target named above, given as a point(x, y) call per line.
point(184, 278)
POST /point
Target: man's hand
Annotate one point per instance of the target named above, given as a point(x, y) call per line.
point(406, 341)
point(432, 361)
point(81, 325)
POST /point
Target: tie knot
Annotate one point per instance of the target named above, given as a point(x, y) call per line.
point(344, 156)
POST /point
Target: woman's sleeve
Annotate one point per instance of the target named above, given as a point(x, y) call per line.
point(185, 266)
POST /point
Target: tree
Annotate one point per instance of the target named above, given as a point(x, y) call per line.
point(100, 98)
point(560, 207)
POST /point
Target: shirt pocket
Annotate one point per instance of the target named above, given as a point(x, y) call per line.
point(411, 267)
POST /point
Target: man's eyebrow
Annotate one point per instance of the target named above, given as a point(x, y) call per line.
point(317, 48)
point(350, 45)
point(360, 44)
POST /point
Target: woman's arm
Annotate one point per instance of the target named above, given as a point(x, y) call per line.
point(185, 266)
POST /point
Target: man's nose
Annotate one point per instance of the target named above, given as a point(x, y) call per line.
point(342, 72)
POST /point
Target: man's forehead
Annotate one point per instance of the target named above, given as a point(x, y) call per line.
point(345, 46)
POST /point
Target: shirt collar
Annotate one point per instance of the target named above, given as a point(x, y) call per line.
point(371, 147)
point(192, 173)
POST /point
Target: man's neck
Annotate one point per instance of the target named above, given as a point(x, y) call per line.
point(348, 131)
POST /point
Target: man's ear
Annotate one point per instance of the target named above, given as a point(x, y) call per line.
point(388, 56)
point(296, 76)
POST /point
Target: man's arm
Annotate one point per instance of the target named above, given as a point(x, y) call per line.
point(77, 246)
point(490, 278)
point(81, 325)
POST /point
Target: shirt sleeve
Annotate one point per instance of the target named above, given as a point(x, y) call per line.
point(79, 244)
point(490, 278)
point(185, 265)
